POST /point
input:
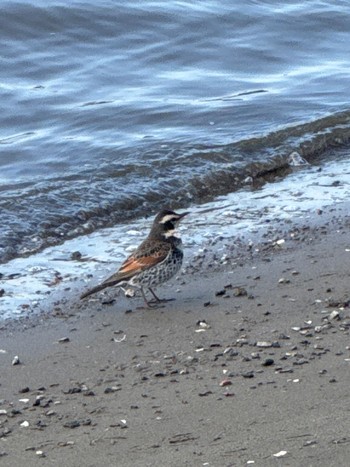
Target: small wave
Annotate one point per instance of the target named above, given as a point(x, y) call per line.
point(51, 211)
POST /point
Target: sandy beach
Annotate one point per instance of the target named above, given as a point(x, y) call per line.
point(248, 366)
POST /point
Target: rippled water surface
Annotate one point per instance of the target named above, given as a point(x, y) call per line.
point(113, 109)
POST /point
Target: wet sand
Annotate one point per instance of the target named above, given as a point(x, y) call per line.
point(248, 366)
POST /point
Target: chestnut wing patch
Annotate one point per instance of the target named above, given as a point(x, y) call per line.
point(134, 265)
point(137, 263)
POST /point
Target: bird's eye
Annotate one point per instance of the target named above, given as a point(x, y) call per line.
point(169, 225)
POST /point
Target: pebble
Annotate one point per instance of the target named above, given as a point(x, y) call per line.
point(72, 424)
point(63, 339)
point(225, 382)
point(264, 344)
point(249, 374)
point(203, 324)
point(76, 256)
point(24, 424)
point(16, 360)
point(311, 442)
point(219, 293)
point(230, 352)
point(204, 394)
point(240, 292)
point(268, 362)
point(242, 341)
point(112, 389)
point(283, 337)
point(280, 454)
point(334, 315)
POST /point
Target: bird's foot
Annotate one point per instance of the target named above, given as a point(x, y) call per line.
point(159, 300)
point(163, 300)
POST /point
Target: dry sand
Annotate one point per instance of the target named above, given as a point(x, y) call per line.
point(223, 376)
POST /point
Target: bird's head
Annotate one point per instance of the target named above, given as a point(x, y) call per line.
point(166, 222)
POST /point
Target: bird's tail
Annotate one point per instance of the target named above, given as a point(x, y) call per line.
point(93, 290)
point(107, 283)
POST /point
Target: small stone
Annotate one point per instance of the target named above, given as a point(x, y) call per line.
point(225, 382)
point(203, 324)
point(204, 394)
point(334, 315)
point(230, 352)
point(240, 292)
point(36, 403)
point(40, 454)
point(24, 424)
point(283, 280)
point(283, 337)
point(74, 390)
point(249, 374)
point(112, 389)
point(301, 361)
point(268, 362)
point(311, 442)
point(63, 340)
point(16, 360)
point(72, 424)
point(76, 256)
point(220, 293)
point(4, 432)
point(280, 454)
point(242, 341)
point(264, 344)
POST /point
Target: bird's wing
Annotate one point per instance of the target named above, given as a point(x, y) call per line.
point(147, 255)
point(143, 258)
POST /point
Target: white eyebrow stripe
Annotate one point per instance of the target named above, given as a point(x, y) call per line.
point(167, 218)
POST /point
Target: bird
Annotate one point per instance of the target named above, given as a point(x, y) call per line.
point(158, 258)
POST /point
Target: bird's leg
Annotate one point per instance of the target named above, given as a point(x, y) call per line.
point(154, 295)
point(145, 299)
point(160, 300)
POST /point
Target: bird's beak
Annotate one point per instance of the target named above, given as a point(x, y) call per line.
point(183, 215)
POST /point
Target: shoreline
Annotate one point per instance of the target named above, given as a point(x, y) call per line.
point(248, 366)
point(236, 224)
